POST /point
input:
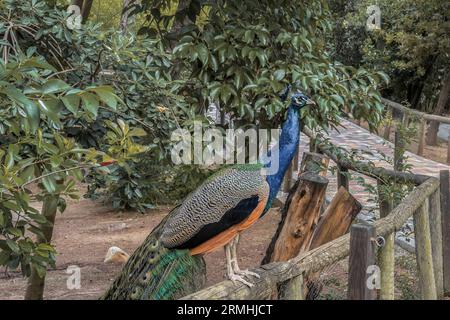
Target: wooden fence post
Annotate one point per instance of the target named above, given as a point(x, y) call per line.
point(436, 241)
point(421, 145)
point(292, 289)
point(424, 253)
point(386, 257)
point(362, 255)
point(399, 148)
point(287, 181)
point(444, 177)
point(448, 148)
point(342, 177)
point(387, 128)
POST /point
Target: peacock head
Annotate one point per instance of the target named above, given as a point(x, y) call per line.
point(300, 100)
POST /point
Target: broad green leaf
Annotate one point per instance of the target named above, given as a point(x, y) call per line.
point(13, 246)
point(107, 95)
point(31, 109)
point(72, 102)
point(90, 103)
point(54, 86)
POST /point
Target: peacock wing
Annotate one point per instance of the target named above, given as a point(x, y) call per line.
point(224, 200)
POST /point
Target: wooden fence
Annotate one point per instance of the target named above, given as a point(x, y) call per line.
point(428, 203)
point(423, 118)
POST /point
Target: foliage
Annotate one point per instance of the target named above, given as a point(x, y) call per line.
point(139, 71)
point(245, 53)
point(36, 153)
point(412, 45)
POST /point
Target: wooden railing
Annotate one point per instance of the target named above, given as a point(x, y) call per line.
point(428, 203)
point(422, 117)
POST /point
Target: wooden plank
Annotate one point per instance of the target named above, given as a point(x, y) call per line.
point(424, 255)
point(386, 254)
point(336, 219)
point(335, 222)
point(426, 116)
point(362, 255)
point(421, 145)
point(436, 241)
point(444, 177)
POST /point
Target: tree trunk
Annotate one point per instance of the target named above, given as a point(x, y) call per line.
point(124, 20)
point(440, 107)
point(86, 10)
point(35, 285)
point(78, 3)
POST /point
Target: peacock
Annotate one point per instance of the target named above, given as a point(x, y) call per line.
point(166, 266)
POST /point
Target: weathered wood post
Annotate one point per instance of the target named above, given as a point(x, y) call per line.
point(399, 148)
point(303, 208)
point(287, 181)
point(334, 222)
point(436, 241)
point(422, 131)
point(448, 148)
point(336, 219)
point(387, 128)
point(386, 257)
point(292, 289)
point(424, 254)
point(299, 217)
point(444, 177)
point(362, 255)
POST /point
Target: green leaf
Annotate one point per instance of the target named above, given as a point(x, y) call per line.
point(338, 99)
point(279, 74)
point(49, 184)
point(90, 103)
point(203, 54)
point(137, 132)
point(13, 246)
point(54, 86)
point(32, 111)
point(107, 95)
point(72, 102)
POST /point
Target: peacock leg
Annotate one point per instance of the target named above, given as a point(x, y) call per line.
point(234, 245)
point(230, 269)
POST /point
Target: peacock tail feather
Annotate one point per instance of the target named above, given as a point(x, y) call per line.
point(154, 272)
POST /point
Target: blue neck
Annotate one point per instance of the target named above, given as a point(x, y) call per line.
point(289, 140)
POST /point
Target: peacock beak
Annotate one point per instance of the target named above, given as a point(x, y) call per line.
point(310, 102)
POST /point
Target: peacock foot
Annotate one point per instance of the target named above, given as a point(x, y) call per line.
point(237, 278)
point(247, 272)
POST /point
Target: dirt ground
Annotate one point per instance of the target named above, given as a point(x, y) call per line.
point(87, 229)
